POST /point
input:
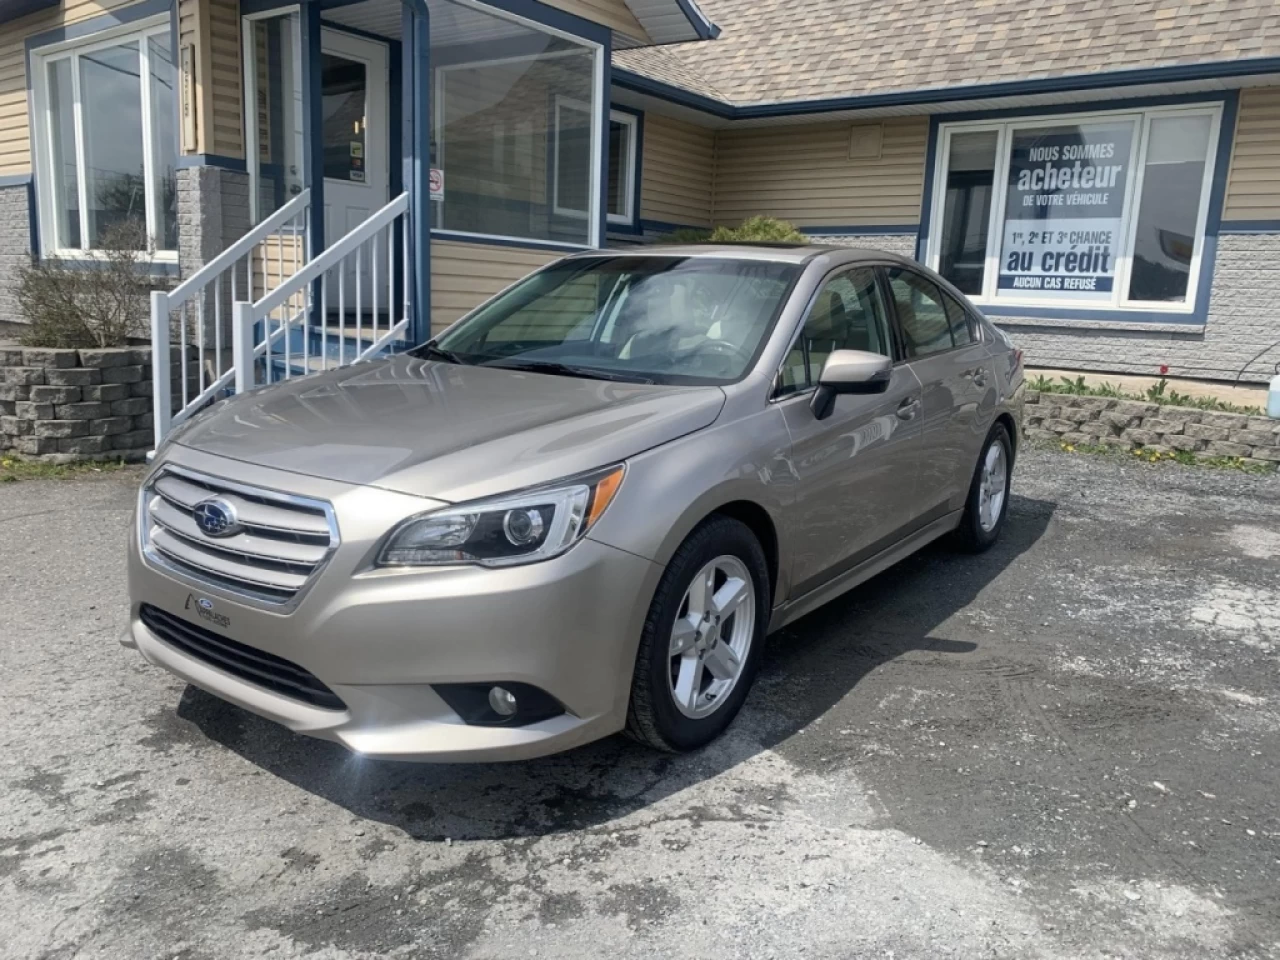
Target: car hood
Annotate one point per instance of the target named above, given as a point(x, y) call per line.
point(447, 431)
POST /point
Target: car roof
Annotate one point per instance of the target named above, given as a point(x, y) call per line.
point(778, 252)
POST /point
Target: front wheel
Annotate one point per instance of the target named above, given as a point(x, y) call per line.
point(701, 642)
point(988, 501)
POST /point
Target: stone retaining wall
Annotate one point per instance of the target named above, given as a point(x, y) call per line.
point(62, 406)
point(1133, 424)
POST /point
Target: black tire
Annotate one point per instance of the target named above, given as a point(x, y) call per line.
point(970, 535)
point(652, 715)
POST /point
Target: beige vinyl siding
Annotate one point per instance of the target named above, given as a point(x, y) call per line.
point(212, 27)
point(226, 101)
point(464, 275)
point(1253, 185)
point(15, 123)
point(676, 172)
point(614, 14)
point(804, 174)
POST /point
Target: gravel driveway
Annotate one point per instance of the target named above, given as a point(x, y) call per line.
point(1068, 747)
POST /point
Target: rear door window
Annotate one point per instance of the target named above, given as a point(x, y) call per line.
point(922, 314)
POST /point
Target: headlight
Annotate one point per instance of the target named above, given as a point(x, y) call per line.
point(503, 531)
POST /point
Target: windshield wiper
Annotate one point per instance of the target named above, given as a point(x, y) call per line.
point(558, 369)
point(429, 351)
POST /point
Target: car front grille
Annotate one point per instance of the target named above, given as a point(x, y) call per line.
point(247, 663)
point(282, 543)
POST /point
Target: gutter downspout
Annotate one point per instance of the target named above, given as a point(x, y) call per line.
point(416, 35)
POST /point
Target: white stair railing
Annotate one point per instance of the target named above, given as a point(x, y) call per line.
point(361, 264)
point(259, 262)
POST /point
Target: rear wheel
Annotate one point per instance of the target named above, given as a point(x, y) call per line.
point(701, 642)
point(988, 501)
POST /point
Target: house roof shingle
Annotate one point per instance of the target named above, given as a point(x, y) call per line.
point(772, 51)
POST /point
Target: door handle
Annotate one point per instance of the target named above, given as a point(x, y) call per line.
point(908, 408)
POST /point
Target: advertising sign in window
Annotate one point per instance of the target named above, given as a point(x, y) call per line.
point(1064, 210)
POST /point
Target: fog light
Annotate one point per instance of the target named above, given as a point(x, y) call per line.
point(502, 702)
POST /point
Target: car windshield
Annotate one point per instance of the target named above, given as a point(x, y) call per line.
point(677, 319)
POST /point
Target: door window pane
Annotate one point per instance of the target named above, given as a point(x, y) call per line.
point(164, 123)
point(1063, 210)
point(966, 214)
point(1172, 187)
point(111, 114)
point(66, 181)
point(343, 92)
point(278, 112)
point(848, 314)
point(926, 329)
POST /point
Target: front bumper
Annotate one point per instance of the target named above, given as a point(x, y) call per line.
point(381, 640)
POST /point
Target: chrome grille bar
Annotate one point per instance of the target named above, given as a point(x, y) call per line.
point(284, 543)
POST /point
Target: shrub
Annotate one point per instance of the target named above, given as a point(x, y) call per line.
point(99, 302)
point(755, 230)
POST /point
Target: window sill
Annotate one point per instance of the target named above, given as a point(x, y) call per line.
point(158, 267)
point(1189, 324)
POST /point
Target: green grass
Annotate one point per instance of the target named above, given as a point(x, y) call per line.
point(13, 469)
point(1157, 393)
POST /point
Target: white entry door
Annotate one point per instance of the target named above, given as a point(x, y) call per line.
point(353, 90)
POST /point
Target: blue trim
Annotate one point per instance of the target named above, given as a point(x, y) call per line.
point(1249, 226)
point(926, 198)
point(666, 226)
point(854, 229)
point(236, 164)
point(555, 18)
point(313, 128)
point(1213, 223)
point(704, 28)
point(1077, 83)
point(416, 106)
point(33, 219)
point(16, 180)
point(87, 28)
point(634, 227)
point(452, 237)
point(629, 80)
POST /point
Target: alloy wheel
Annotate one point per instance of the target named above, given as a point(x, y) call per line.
point(993, 487)
point(712, 636)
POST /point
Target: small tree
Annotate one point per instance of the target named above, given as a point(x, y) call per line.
point(97, 302)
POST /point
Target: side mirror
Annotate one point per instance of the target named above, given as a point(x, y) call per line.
point(850, 371)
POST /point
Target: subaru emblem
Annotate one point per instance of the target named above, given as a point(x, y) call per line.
point(216, 517)
point(205, 603)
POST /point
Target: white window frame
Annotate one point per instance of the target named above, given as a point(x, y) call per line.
point(627, 174)
point(1142, 118)
point(627, 182)
point(43, 125)
point(249, 85)
point(600, 94)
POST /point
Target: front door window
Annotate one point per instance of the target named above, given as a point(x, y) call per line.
point(274, 119)
point(344, 92)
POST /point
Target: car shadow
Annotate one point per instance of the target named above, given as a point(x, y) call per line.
point(809, 666)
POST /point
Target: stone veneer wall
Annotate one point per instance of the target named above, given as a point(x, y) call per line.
point(66, 405)
point(1130, 424)
point(900, 243)
point(15, 245)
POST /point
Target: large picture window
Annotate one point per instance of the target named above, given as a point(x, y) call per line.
point(1103, 210)
point(106, 144)
point(519, 128)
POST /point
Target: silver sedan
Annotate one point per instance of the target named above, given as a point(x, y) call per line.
point(579, 510)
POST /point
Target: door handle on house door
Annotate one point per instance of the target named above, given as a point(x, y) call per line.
point(908, 408)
